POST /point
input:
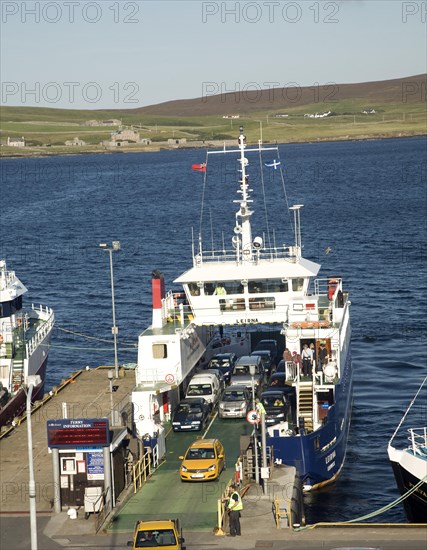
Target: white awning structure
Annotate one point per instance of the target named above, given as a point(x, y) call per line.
point(226, 271)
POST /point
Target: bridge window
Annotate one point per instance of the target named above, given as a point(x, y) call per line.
point(259, 286)
point(223, 287)
point(9, 308)
point(194, 289)
point(233, 287)
point(297, 284)
point(284, 286)
point(255, 287)
point(267, 285)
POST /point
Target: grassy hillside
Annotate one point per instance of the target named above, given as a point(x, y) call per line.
point(399, 110)
point(400, 91)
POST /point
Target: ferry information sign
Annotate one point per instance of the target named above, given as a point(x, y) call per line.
point(78, 432)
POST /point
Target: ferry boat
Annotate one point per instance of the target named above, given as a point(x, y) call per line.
point(24, 346)
point(234, 296)
point(409, 460)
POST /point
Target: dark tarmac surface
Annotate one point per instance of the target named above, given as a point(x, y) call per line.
point(60, 532)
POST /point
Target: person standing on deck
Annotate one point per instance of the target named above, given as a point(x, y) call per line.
point(296, 359)
point(287, 356)
point(313, 354)
point(323, 357)
point(307, 360)
point(220, 290)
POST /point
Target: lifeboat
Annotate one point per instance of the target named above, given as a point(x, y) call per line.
point(310, 324)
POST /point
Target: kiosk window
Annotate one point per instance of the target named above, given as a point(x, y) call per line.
point(68, 465)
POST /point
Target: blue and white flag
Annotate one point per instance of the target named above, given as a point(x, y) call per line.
point(273, 164)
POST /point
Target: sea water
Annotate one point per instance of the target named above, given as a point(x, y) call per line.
point(363, 219)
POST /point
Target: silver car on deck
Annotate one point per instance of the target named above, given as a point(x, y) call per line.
point(241, 375)
point(235, 402)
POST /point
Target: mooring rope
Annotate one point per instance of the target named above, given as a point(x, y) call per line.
point(372, 514)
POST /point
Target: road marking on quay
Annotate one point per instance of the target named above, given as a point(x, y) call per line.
point(210, 424)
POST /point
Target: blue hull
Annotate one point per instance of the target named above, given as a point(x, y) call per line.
point(320, 455)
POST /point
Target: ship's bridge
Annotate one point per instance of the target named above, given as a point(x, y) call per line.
point(239, 293)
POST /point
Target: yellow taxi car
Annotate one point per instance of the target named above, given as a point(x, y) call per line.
point(165, 534)
point(203, 461)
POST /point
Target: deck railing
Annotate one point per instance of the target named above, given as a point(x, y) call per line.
point(153, 376)
point(42, 330)
point(418, 439)
point(265, 254)
point(101, 509)
point(145, 467)
point(175, 310)
point(292, 371)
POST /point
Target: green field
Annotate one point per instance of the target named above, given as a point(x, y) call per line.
point(46, 130)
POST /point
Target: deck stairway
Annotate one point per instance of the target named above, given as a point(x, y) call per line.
point(17, 374)
point(305, 404)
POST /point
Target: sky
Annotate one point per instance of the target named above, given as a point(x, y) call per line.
point(129, 54)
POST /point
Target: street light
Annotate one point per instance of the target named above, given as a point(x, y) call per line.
point(252, 371)
point(31, 381)
point(115, 246)
point(110, 379)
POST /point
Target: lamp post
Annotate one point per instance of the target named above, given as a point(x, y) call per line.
point(264, 467)
point(32, 381)
point(110, 379)
point(252, 373)
point(115, 246)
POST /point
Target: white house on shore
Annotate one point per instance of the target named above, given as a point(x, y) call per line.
point(76, 142)
point(16, 142)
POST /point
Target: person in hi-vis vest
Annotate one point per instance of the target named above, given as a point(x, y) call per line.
point(235, 506)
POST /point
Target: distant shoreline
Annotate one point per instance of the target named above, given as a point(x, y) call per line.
point(50, 152)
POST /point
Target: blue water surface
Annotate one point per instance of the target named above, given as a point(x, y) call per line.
point(363, 219)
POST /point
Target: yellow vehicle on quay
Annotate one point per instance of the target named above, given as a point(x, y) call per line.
point(165, 534)
point(203, 461)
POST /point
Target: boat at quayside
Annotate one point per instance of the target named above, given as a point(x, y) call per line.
point(24, 346)
point(233, 297)
point(409, 459)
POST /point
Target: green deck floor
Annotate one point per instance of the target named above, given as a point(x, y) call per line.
point(164, 495)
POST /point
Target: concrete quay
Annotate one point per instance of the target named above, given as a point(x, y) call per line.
point(86, 395)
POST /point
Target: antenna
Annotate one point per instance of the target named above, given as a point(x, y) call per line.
point(200, 245)
point(192, 240)
point(243, 226)
point(212, 235)
point(297, 225)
